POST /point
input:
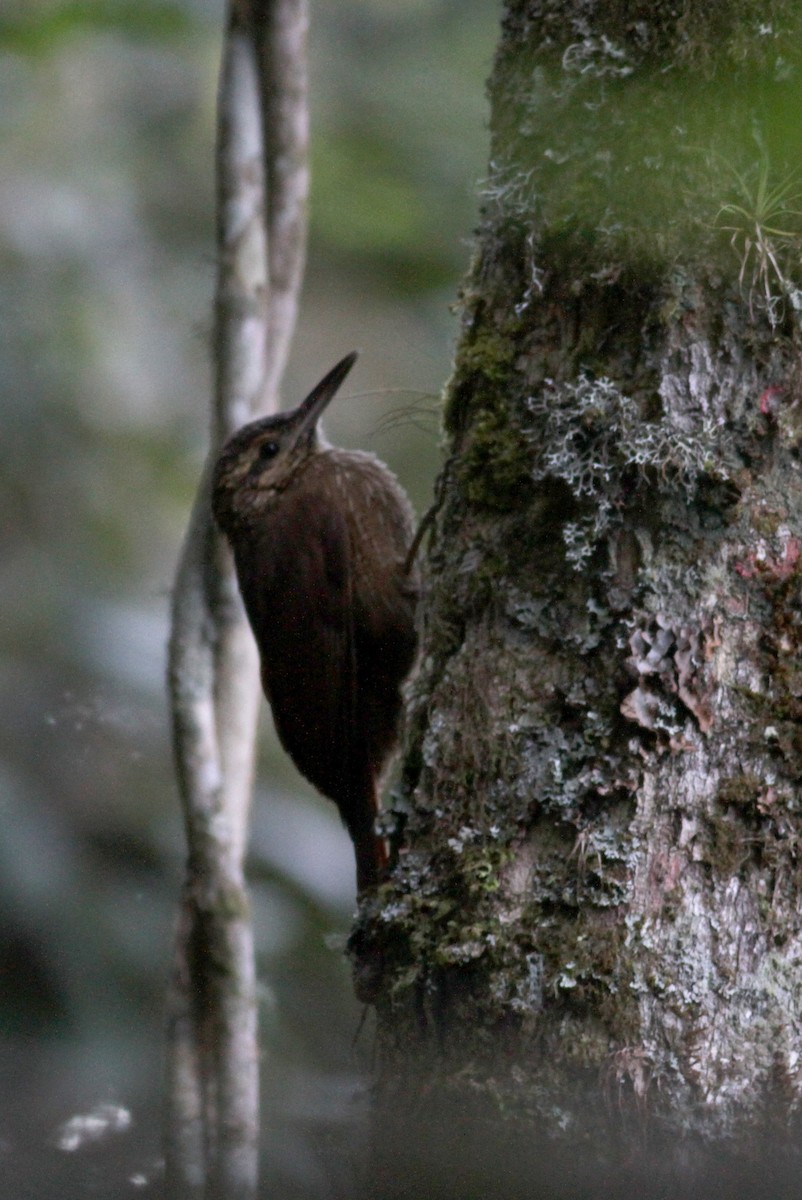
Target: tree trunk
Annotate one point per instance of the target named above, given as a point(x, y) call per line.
point(592, 927)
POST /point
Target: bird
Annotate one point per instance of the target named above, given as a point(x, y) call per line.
point(321, 542)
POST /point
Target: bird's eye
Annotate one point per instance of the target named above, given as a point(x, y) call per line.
point(268, 450)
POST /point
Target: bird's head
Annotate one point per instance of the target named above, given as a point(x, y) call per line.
point(258, 461)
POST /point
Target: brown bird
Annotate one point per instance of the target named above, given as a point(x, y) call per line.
point(320, 538)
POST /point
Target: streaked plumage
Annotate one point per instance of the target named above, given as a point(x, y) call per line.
point(320, 538)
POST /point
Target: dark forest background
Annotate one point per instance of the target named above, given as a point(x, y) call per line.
point(106, 278)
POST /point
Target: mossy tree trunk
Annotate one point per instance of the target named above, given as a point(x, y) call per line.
point(594, 919)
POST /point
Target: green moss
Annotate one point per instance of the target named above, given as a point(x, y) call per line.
point(766, 521)
point(495, 471)
point(740, 791)
point(487, 355)
point(586, 965)
point(495, 463)
point(726, 848)
point(427, 932)
point(484, 372)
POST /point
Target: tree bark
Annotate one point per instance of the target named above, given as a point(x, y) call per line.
point(592, 927)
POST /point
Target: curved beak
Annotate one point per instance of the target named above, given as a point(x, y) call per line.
point(308, 413)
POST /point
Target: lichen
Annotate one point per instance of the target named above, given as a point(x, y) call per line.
point(594, 437)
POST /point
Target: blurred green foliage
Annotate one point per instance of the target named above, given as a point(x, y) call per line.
point(39, 27)
point(106, 277)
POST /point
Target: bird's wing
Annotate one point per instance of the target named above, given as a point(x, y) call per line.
point(297, 589)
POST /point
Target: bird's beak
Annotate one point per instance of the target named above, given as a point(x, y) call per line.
point(309, 411)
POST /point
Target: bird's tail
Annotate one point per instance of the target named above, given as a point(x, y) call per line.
point(371, 861)
point(369, 847)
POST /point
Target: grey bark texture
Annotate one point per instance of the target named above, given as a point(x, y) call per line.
point(593, 924)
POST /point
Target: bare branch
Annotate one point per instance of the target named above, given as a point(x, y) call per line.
point(282, 31)
point(241, 302)
point(212, 1136)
